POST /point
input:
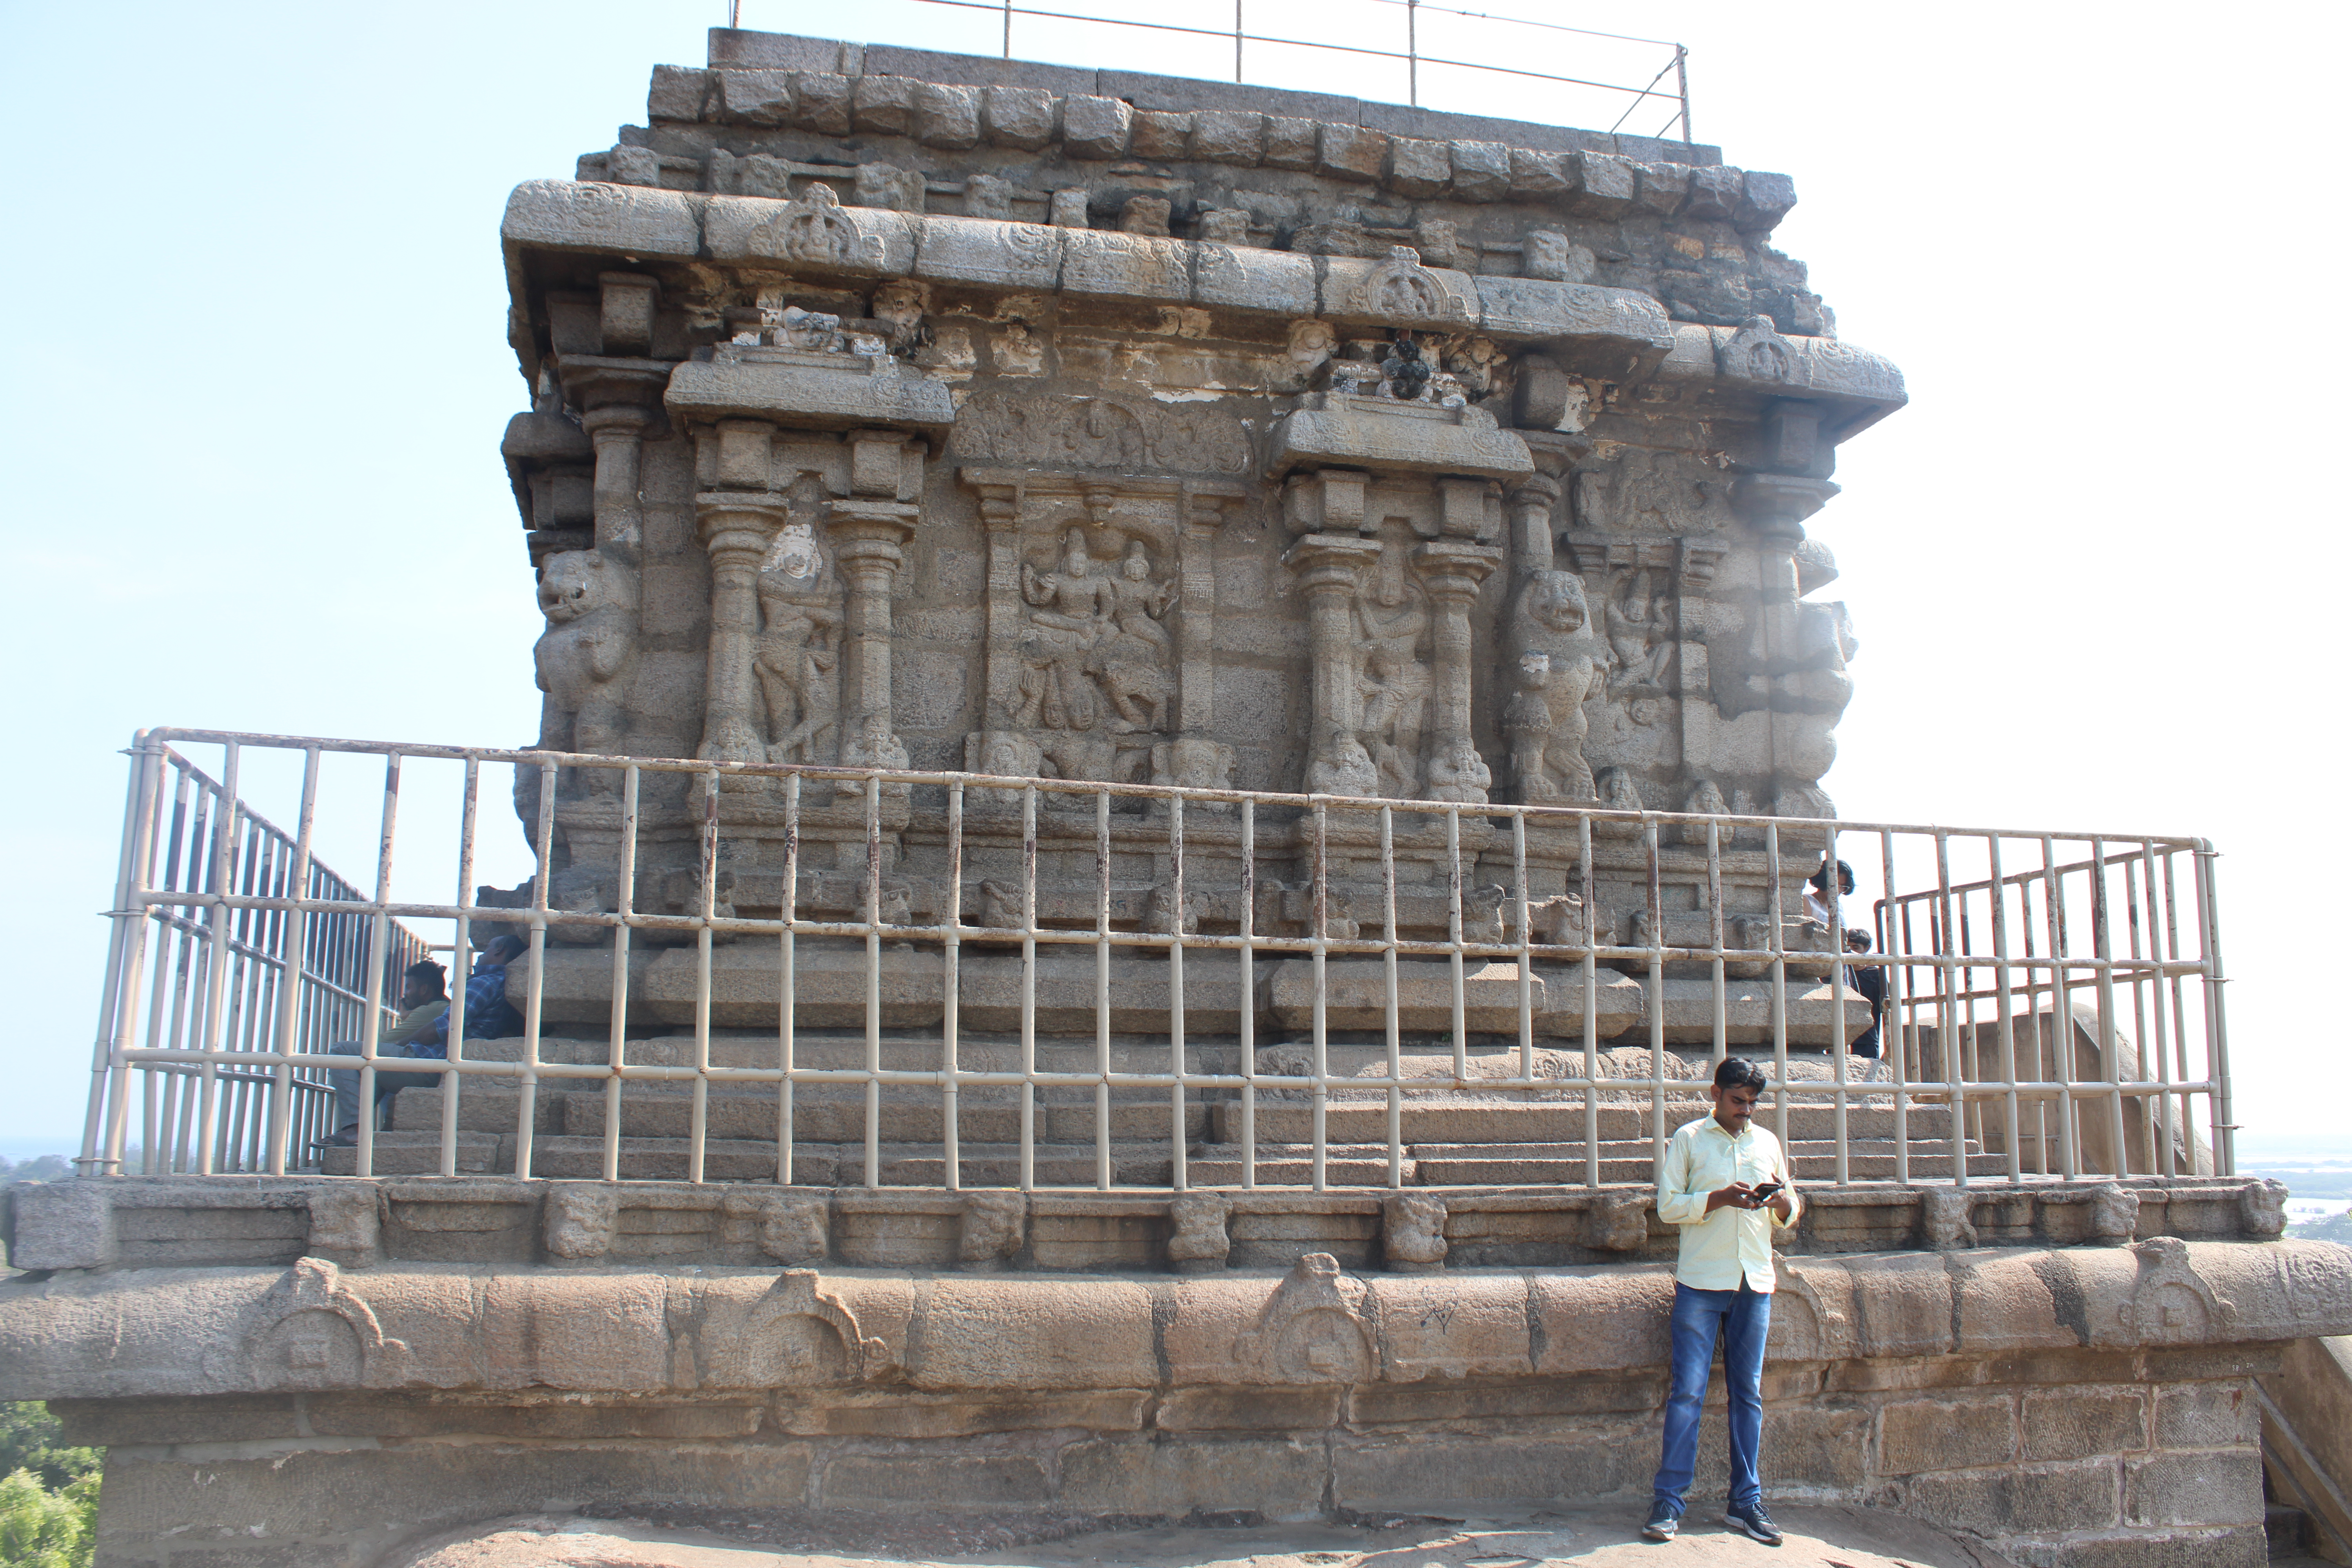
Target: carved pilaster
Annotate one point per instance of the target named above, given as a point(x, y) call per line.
point(868, 538)
point(1327, 567)
point(1532, 504)
point(616, 399)
point(1204, 511)
point(735, 527)
point(1451, 572)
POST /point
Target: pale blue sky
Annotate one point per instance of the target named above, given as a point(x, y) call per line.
point(254, 398)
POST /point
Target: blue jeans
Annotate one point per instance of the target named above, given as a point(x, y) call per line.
point(1743, 1317)
point(388, 1084)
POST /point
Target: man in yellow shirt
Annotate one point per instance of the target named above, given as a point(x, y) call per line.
point(1726, 1182)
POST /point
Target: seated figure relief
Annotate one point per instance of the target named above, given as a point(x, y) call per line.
point(1096, 653)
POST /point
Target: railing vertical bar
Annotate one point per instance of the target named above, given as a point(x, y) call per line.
point(289, 988)
point(371, 1022)
point(2061, 1033)
point(2180, 1013)
point(1592, 988)
point(2104, 995)
point(1319, 1093)
point(1947, 1019)
point(1654, 900)
point(1029, 988)
point(220, 878)
point(706, 904)
point(2157, 1047)
point(1454, 940)
point(535, 983)
point(1891, 1052)
point(951, 961)
point(1176, 1172)
point(1526, 1073)
point(873, 979)
point(1719, 1045)
point(1247, 956)
point(1102, 991)
point(2144, 1111)
point(1839, 1040)
point(2217, 1026)
point(1391, 1018)
point(461, 965)
point(2004, 1010)
point(788, 984)
point(624, 903)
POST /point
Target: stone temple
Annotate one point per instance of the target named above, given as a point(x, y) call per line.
point(1371, 551)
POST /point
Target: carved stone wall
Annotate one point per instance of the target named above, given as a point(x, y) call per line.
point(974, 423)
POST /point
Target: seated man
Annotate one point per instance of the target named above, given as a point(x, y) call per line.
point(489, 1014)
point(424, 1001)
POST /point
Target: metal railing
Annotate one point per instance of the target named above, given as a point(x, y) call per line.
point(1398, 953)
point(1411, 56)
point(251, 957)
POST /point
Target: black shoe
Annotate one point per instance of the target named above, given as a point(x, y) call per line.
point(349, 1138)
point(1754, 1524)
point(1662, 1523)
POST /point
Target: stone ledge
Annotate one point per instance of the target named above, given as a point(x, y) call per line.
point(315, 1328)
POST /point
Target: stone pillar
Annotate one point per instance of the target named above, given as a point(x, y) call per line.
point(868, 538)
point(1327, 566)
point(1531, 508)
point(735, 527)
point(999, 515)
point(1196, 608)
point(1451, 572)
point(616, 399)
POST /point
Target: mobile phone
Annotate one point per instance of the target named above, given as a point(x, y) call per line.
point(1765, 1194)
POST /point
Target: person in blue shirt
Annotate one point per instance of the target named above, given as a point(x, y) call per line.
point(423, 1033)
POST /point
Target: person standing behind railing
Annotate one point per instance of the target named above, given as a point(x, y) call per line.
point(424, 1002)
point(1868, 981)
point(1724, 1183)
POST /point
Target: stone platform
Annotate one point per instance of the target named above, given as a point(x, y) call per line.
point(2071, 1405)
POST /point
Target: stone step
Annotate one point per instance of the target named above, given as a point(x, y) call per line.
point(1133, 1164)
point(841, 1118)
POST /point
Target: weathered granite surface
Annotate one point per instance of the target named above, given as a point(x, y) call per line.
point(2070, 1406)
point(923, 411)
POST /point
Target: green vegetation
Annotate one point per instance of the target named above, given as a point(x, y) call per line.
point(48, 1493)
point(47, 1168)
point(2335, 1227)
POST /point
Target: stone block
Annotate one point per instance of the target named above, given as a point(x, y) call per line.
point(935, 1480)
point(2216, 1487)
point(1482, 170)
point(1018, 117)
point(974, 71)
point(2028, 1500)
point(633, 166)
point(1660, 189)
point(1605, 184)
point(1714, 193)
point(1940, 1435)
point(1125, 267)
point(2065, 1423)
point(1764, 201)
point(1099, 1335)
point(1246, 277)
point(1279, 1480)
point(1290, 143)
point(61, 1224)
point(1533, 307)
point(564, 214)
point(1388, 1473)
point(1214, 1409)
point(823, 102)
point(1229, 136)
point(865, 241)
point(1095, 127)
point(2205, 1415)
point(1542, 176)
point(999, 255)
point(1418, 169)
point(947, 117)
point(1348, 152)
point(1815, 1445)
point(677, 92)
point(756, 96)
point(883, 106)
point(1159, 135)
point(2244, 1547)
point(888, 186)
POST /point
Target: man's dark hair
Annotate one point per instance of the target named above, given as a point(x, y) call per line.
point(1820, 879)
point(504, 947)
point(1739, 1072)
point(424, 972)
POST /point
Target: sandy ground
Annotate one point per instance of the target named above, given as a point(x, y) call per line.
point(1817, 1538)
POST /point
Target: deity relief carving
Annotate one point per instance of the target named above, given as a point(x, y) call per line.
point(796, 659)
point(1553, 668)
point(1641, 637)
point(587, 655)
point(1100, 433)
point(1402, 289)
point(1656, 492)
point(1393, 679)
point(1094, 653)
